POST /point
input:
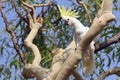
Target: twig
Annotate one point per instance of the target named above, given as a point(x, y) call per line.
point(14, 39)
point(32, 17)
point(86, 10)
point(4, 1)
point(16, 9)
point(29, 14)
point(41, 5)
point(26, 6)
point(115, 70)
point(56, 22)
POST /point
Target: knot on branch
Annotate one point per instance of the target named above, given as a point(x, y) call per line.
point(27, 71)
point(37, 25)
point(57, 51)
point(40, 20)
point(31, 71)
point(105, 18)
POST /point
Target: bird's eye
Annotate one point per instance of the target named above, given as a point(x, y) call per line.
point(67, 19)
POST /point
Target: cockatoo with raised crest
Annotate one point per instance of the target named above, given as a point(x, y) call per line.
point(70, 17)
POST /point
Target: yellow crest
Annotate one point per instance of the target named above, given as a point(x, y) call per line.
point(68, 12)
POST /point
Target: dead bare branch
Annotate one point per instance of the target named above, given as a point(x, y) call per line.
point(14, 39)
point(27, 6)
point(115, 71)
point(42, 5)
point(107, 43)
point(16, 9)
point(86, 10)
point(4, 1)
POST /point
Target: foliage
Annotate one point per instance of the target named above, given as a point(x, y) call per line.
point(55, 33)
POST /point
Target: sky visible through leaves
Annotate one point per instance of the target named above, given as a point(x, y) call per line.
point(3, 35)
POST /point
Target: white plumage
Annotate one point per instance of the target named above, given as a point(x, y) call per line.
point(80, 32)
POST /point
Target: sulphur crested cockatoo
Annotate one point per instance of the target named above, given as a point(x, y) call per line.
point(70, 17)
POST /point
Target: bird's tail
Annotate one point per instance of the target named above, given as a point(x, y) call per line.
point(88, 62)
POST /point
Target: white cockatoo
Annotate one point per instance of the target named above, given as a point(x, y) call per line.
point(70, 16)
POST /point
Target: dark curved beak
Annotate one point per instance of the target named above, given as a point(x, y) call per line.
point(66, 22)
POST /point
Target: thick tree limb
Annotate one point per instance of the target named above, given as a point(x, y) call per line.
point(102, 21)
point(105, 17)
point(115, 70)
point(31, 71)
point(34, 70)
point(59, 60)
point(69, 65)
point(60, 56)
point(14, 39)
point(33, 47)
point(77, 75)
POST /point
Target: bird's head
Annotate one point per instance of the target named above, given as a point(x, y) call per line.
point(68, 15)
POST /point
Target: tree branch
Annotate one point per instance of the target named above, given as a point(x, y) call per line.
point(69, 65)
point(115, 70)
point(41, 5)
point(111, 41)
point(4, 1)
point(77, 75)
point(34, 70)
point(27, 6)
point(67, 50)
point(86, 10)
point(14, 39)
point(28, 42)
point(16, 9)
point(100, 22)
